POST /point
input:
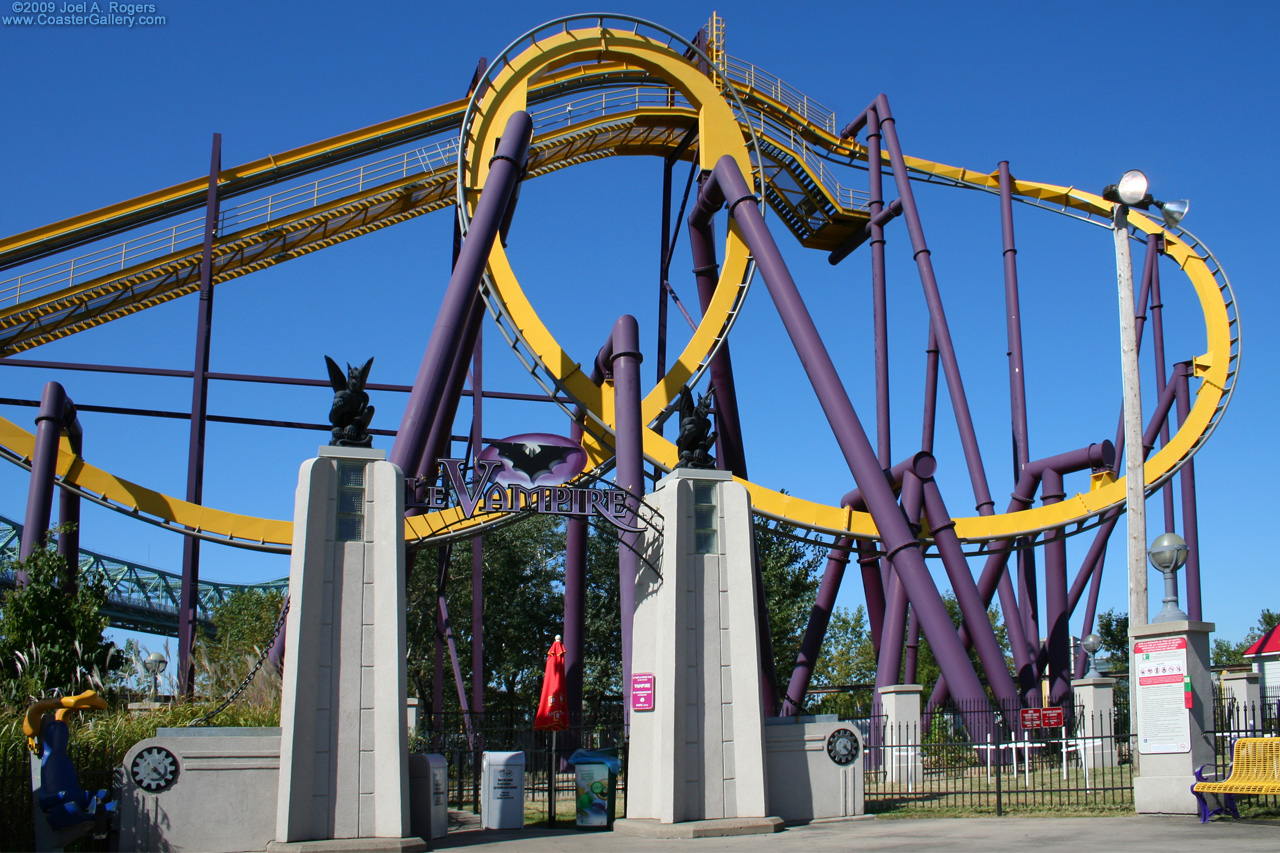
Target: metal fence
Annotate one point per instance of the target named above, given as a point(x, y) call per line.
point(549, 780)
point(1085, 764)
point(1234, 719)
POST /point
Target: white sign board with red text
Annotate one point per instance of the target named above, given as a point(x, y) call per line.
point(1162, 678)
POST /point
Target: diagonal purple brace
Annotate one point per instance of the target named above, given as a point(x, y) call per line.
point(727, 185)
point(429, 387)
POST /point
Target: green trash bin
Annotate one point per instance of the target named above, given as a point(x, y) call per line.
point(596, 772)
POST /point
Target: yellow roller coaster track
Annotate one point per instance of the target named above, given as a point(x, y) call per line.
point(594, 92)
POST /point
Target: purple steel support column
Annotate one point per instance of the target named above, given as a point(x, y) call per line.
point(1057, 630)
point(628, 475)
point(879, 304)
point(1029, 600)
point(930, 393)
point(993, 574)
point(901, 545)
point(446, 626)
point(1157, 342)
point(1096, 551)
point(732, 455)
point(937, 316)
point(441, 432)
point(429, 386)
point(1013, 326)
point(966, 591)
point(44, 468)
point(911, 652)
point(873, 590)
point(575, 605)
point(816, 630)
point(437, 681)
point(1187, 480)
point(663, 267)
point(892, 642)
point(276, 653)
point(69, 515)
point(189, 595)
point(477, 542)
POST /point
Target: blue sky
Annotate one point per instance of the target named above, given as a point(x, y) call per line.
point(1072, 95)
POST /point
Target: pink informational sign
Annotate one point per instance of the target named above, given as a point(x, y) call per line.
point(641, 691)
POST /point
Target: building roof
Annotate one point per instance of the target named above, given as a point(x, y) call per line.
point(1267, 644)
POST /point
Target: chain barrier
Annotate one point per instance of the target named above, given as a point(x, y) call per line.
point(248, 679)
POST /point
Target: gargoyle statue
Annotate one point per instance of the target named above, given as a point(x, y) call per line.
point(351, 412)
point(696, 437)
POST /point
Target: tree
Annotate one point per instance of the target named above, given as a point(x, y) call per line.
point(1113, 628)
point(848, 659)
point(602, 652)
point(790, 572)
point(927, 669)
point(523, 611)
point(1227, 653)
point(51, 632)
point(244, 627)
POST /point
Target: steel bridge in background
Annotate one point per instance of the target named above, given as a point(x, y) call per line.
point(139, 598)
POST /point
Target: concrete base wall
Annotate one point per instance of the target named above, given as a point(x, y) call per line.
point(223, 799)
point(804, 783)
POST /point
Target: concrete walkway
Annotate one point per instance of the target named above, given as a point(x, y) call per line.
point(954, 835)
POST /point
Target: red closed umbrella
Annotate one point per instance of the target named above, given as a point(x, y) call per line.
point(553, 713)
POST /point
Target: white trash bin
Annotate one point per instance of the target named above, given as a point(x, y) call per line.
point(502, 790)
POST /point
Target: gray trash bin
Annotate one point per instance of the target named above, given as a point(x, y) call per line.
point(439, 796)
point(502, 790)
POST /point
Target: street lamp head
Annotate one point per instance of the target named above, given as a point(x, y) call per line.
point(155, 663)
point(1168, 552)
point(1091, 644)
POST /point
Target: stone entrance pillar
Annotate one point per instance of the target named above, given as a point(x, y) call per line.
point(903, 762)
point(697, 726)
point(344, 743)
point(1095, 697)
point(1171, 703)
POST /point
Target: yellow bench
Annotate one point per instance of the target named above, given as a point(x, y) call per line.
point(1255, 769)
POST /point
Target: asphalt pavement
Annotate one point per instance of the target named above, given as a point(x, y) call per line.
point(952, 835)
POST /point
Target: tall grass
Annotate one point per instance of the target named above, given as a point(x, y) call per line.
point(99, 741)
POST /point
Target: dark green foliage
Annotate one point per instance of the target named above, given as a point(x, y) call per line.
point(1227, 653)
point(244, 624)
point(523, 610)
point(791, 575)
point(602, 647)
point(927, 669)
point(1113, 628)
point(847, 659)
point(51, 635)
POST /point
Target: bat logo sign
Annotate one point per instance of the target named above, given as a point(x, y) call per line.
point(523, 473)
point(535, 459)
